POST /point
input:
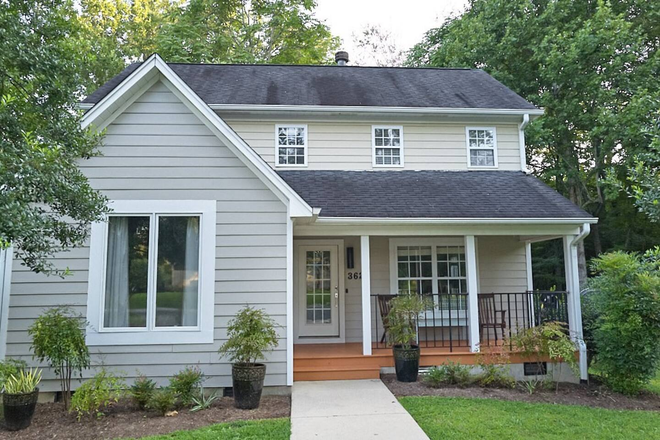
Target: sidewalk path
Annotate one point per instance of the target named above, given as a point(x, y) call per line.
point(349, 409)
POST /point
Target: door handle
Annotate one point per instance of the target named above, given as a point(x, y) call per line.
point(336, 296)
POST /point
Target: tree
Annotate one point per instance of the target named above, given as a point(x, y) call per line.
point(588, 64)
point(377, 47)
point(244, 31)
point(46, 203)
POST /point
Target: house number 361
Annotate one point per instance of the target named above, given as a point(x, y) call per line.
point(355, 275)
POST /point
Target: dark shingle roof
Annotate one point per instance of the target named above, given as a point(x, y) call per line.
point(430, 194)
point(338, 86)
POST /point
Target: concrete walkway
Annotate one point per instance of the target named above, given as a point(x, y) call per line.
point(349, 409)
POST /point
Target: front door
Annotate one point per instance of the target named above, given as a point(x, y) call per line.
point(318, 291)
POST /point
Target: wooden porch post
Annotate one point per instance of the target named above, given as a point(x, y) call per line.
point(473, 291)
point(365, 265)
point(574, 303)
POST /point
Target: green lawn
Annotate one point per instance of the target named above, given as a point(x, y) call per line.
point(459, 418)
point(274, 429)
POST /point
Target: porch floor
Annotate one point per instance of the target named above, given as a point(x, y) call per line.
point(346, 361)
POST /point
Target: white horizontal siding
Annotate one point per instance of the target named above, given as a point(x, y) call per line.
point(347, 145)
point(158, 149)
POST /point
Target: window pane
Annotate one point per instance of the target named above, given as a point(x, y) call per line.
point(126, 272)
point(177, 272)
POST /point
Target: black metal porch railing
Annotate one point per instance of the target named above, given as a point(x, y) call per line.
point(501, 315)
point(445, 324)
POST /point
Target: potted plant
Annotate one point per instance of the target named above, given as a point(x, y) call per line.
point(249, 334)
point(19, 399)
point(402, 321)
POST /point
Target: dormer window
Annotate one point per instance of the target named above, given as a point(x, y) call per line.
point(482, 147)
point(387, 146)
point(291, 145)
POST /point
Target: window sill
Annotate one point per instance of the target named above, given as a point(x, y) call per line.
point(388, 166)
point(166, 337)
point(291, 166)
point(482, 168)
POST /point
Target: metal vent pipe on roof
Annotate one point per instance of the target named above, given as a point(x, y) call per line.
point(341, 58)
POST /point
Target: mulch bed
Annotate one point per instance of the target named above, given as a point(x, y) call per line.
point(594, 395)
point(124, 420)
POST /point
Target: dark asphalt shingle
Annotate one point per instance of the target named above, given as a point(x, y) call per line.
point(430, 194)
point(338, 86)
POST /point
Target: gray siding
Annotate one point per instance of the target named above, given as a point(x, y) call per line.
point(158, 149)
point(347, 145)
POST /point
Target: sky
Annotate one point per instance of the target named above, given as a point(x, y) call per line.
point(408, 20)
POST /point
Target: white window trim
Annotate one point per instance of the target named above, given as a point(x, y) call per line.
point(277, 146)
point(373, 146)
point(203, 332)
point(495, 148)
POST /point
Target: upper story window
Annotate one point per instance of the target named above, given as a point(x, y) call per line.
point(482, 147)
point(291, 145)
point(387, 146)
point(151, 271)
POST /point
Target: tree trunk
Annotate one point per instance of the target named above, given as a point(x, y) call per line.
point(598, 246)
point(582, 259)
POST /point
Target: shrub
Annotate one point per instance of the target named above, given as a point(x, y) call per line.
point(203, 401)
point(23, 382)
point(10, 367)
point(549, 340)
point(162, 401)
point(97, 393)
point(58, 336)
point(402, 319)
point(249, 334)
point(493, 370)
point(186, 384)
point(626, 330)
point(142, 390)
point(449, 374)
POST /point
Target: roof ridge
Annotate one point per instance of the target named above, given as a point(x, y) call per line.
point(326, 66)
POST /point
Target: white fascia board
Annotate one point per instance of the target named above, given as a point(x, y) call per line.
point(453, 221)
point(371, 109)
point(155, 64)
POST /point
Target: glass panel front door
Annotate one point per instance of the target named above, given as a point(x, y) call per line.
point(318, 291)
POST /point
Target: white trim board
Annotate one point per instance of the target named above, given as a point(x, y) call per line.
point(102, 114)
point(6, 259)
point(203, 332)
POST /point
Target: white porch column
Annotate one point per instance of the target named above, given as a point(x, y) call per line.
point(365, 265)
point(472, 286)
point(574, 304)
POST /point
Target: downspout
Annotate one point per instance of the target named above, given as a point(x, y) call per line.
point(521, 141)
point(582, 346)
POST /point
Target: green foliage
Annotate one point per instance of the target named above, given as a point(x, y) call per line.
point(549, 340)
point(58, 336)
point(25, 381)
point(271, 429)
point(626, 329)
point(162, 401)
point(460, 419)
point(10, 367)
point(142, 390)
point(494, 372)
point(97, 393)
point(593, 66)
point(402, 319)
point(203, 401)
point(186, 384)
point(249, 334)
point(449, 373)
point(46, 204)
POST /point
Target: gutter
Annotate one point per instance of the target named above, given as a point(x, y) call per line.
point(582, 346)
point(521, 141)
point(585, 230)
point(456, 221)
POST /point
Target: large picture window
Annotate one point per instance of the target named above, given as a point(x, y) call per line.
point(155, 274)
point(482, 147)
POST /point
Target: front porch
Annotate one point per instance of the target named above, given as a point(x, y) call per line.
point(479, 289)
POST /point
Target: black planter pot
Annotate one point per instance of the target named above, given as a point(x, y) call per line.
point(19, 409)
point(406, 363)
point(248, 381)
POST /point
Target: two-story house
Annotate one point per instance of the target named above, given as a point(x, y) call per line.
point(315, 193)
